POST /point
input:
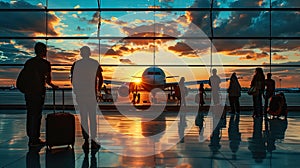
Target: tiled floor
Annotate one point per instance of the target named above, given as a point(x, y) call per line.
point(239, 142)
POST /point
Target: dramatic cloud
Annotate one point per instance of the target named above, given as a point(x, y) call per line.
point(183, 49)
point(276, 56)
point(126, 61)
point(26, 23)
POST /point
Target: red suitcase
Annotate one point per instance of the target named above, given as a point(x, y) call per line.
point(60, 127)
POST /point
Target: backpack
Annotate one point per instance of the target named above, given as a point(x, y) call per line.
point(22, 80)
point(278, 106)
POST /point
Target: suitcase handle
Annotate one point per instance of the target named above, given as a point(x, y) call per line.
point(63, 100)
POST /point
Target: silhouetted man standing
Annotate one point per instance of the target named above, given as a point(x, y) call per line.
point(214, 82)
point(40, 74)
point(86, 80)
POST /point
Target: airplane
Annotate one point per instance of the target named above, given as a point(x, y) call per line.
point(152, 77)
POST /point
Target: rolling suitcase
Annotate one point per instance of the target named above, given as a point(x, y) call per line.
point(60, 127)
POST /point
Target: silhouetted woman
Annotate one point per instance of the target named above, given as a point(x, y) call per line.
point(201, 94)
point(258, 82)
point(234, 93)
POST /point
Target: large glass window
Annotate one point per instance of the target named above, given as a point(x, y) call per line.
point(233, 35)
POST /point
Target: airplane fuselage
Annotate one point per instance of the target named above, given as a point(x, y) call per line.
point(153, 77)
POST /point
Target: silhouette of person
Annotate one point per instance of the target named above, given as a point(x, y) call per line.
point(256, 143)
point(215, 137)
point(182, 126)
point(199, 121)
point(40, 74)
point(201, 94)
point(93, 163)
point(270, 90)
point(234, 134)
point(234, 93)
point(87, 80)
point(258, 81)
point(214, 82)
point(181, 91)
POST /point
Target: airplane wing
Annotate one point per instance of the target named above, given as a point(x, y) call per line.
point(170, 84)
point(203, 81)
point(113, 82)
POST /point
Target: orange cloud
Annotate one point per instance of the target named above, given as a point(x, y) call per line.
point(275, 56)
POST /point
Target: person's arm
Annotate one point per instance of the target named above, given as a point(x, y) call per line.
point(100, 78)
point(71, 71)
point(49, 79)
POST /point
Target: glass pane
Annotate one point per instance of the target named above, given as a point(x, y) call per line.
point(146, 4)
point(16, 51)
point(64, 51)
point(75, 24)
point(60, 76)
point(141, 24)
point(241, 52)
point(285, 52)
point(241, 24)
point(200, 3)
point(25, 24)
point(184, 52)
point(72, 4)
point(285, 3)
point(8, 75)
point(21, 4)
point(285, 24)
point(241, 4)
point(202, 21)
point(9, 93)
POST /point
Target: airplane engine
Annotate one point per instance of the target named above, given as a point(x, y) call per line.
point(123, 91)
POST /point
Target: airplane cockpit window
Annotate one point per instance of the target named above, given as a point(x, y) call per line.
point(153, 73)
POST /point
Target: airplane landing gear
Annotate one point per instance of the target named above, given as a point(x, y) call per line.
point(136, 96)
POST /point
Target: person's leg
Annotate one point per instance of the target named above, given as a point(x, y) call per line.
point(34, 104)
point(237, 105)
point(260, 105)
point(216, 97)
point(231, 102)
point(266, 104)
point(254, 98)
point(93, 122)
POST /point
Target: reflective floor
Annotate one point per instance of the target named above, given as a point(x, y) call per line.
point(237, 141)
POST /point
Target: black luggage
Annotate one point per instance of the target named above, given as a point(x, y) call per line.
point(60, 127)
point(278, 106)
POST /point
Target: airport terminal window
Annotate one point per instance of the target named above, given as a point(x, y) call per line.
point(244, 34)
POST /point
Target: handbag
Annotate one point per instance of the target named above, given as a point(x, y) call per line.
point(252, 90)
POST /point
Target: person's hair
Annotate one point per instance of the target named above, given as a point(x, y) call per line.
point(260, 74)
point(233, 75)
point(214, 70)
point(40, 49)
point(85, 51)
point(269, 75)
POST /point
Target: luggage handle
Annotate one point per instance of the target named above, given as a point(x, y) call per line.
point(63, 101)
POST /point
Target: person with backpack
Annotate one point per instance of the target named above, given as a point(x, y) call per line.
point(37, 74)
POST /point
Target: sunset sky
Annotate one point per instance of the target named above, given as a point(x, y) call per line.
point(189, 45)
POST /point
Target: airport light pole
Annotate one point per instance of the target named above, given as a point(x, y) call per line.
point(280, 83)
